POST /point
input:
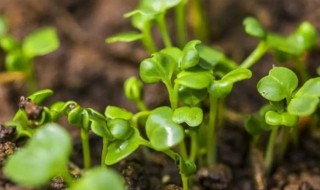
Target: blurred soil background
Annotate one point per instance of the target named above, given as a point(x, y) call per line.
point(91, 72)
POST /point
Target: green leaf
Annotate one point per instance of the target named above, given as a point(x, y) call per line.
point(141, 18)
point(159, 6)
point(276, 119)
point(41, 95)
point(3, 26)
point(162, 131)
point(133, 89)
point(191, 96)
point(113, 112)
point(44, 156)
point(100, 128)
point(254, 28)
point(40, 42)
point(211, 58)
point(125, 37)
point(8, 43)
point(278, 85)
point(120, 149)
point(120, 129)
point(192, 116)
point(190, 56)
point(187, 168)
point(306, 100)
point(75, 115)
point(237, 75)
point(16, 61)
point(99, 179)
point(160, 67)
point(195, 79)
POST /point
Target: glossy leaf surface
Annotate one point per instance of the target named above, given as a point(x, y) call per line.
point(195, 79)
point(120, 149)
point(120, 129)
point(113, 112)
point(100, 128)
point(190, 56)
point(162, 131)
point(276, 119)
point(278, 85)
point(191, 97)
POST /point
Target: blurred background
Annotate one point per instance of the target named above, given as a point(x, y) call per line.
point(91, 72)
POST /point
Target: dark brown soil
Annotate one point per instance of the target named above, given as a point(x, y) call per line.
point(87, 70)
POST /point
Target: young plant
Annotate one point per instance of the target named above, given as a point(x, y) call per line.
point(46, 155)
point(287, 104)
point(19, 56)
point(285, 48)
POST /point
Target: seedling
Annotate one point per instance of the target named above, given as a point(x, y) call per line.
point(287, 104)
point(291, 47)
point(19, 56)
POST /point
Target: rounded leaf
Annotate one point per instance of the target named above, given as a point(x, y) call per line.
point(120, 149)
point(190, 56)
point(303, 106)
point(40, 42)
point(75, 115)
point(120, 128)
point(192, 116)
point(160, 67)
point(191, 97)
point(8, 43)
point(162, 131)
point(278, 85)
point(133, 89)
point(99, 179)
point(113, 112)
point(44, 156)
point(195, 79)
point(254, 28)
point(39, 96)
point(100, 128)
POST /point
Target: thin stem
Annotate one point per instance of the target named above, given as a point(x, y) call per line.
point(194, 146)
point(31, 80)
point(211, 133)
point(198, 20)
point(173, 93)
point(185, 182)
point(104, 152)
point(147, 39)
point(137, 116)
point(255, 56)
point(67, 177)
point(284, 143)
point(141, 105)
point(174, 156)
point(162, 24)
point(85, 148)
point(302, 70)
point(183, 150)
point(180, 14)
point(270, 148)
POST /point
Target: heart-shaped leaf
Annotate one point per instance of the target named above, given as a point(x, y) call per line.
point(160, 67)
point(279, 84)
point(99, 179)
point(276, 119)
point(44, 156)
point(120, 149)
point(40, 42)
point(162, 131)
point(192, 116)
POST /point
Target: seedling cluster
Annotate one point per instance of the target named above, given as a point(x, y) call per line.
point(197, 78)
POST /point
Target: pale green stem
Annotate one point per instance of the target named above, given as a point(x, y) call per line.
point(67, 177)
point(141, 105)
point(147, 39)
point(162, 24)
point(194, 145)
point(211, 133)
point(173, 93)
point(180, 17)
point(270, 148)
point(85, 148)
point(185, 182)
point(255, 56)
point(183, 150)
point(104, 152)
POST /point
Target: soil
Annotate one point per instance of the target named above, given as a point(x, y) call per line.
point(87, 70)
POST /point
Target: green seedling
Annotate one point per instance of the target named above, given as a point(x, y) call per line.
point(287, 104)
point(20, 55)
point(45, 156)
point(291, 47)
point(133, 91)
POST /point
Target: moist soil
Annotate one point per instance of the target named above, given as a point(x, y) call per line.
point(87, 70)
